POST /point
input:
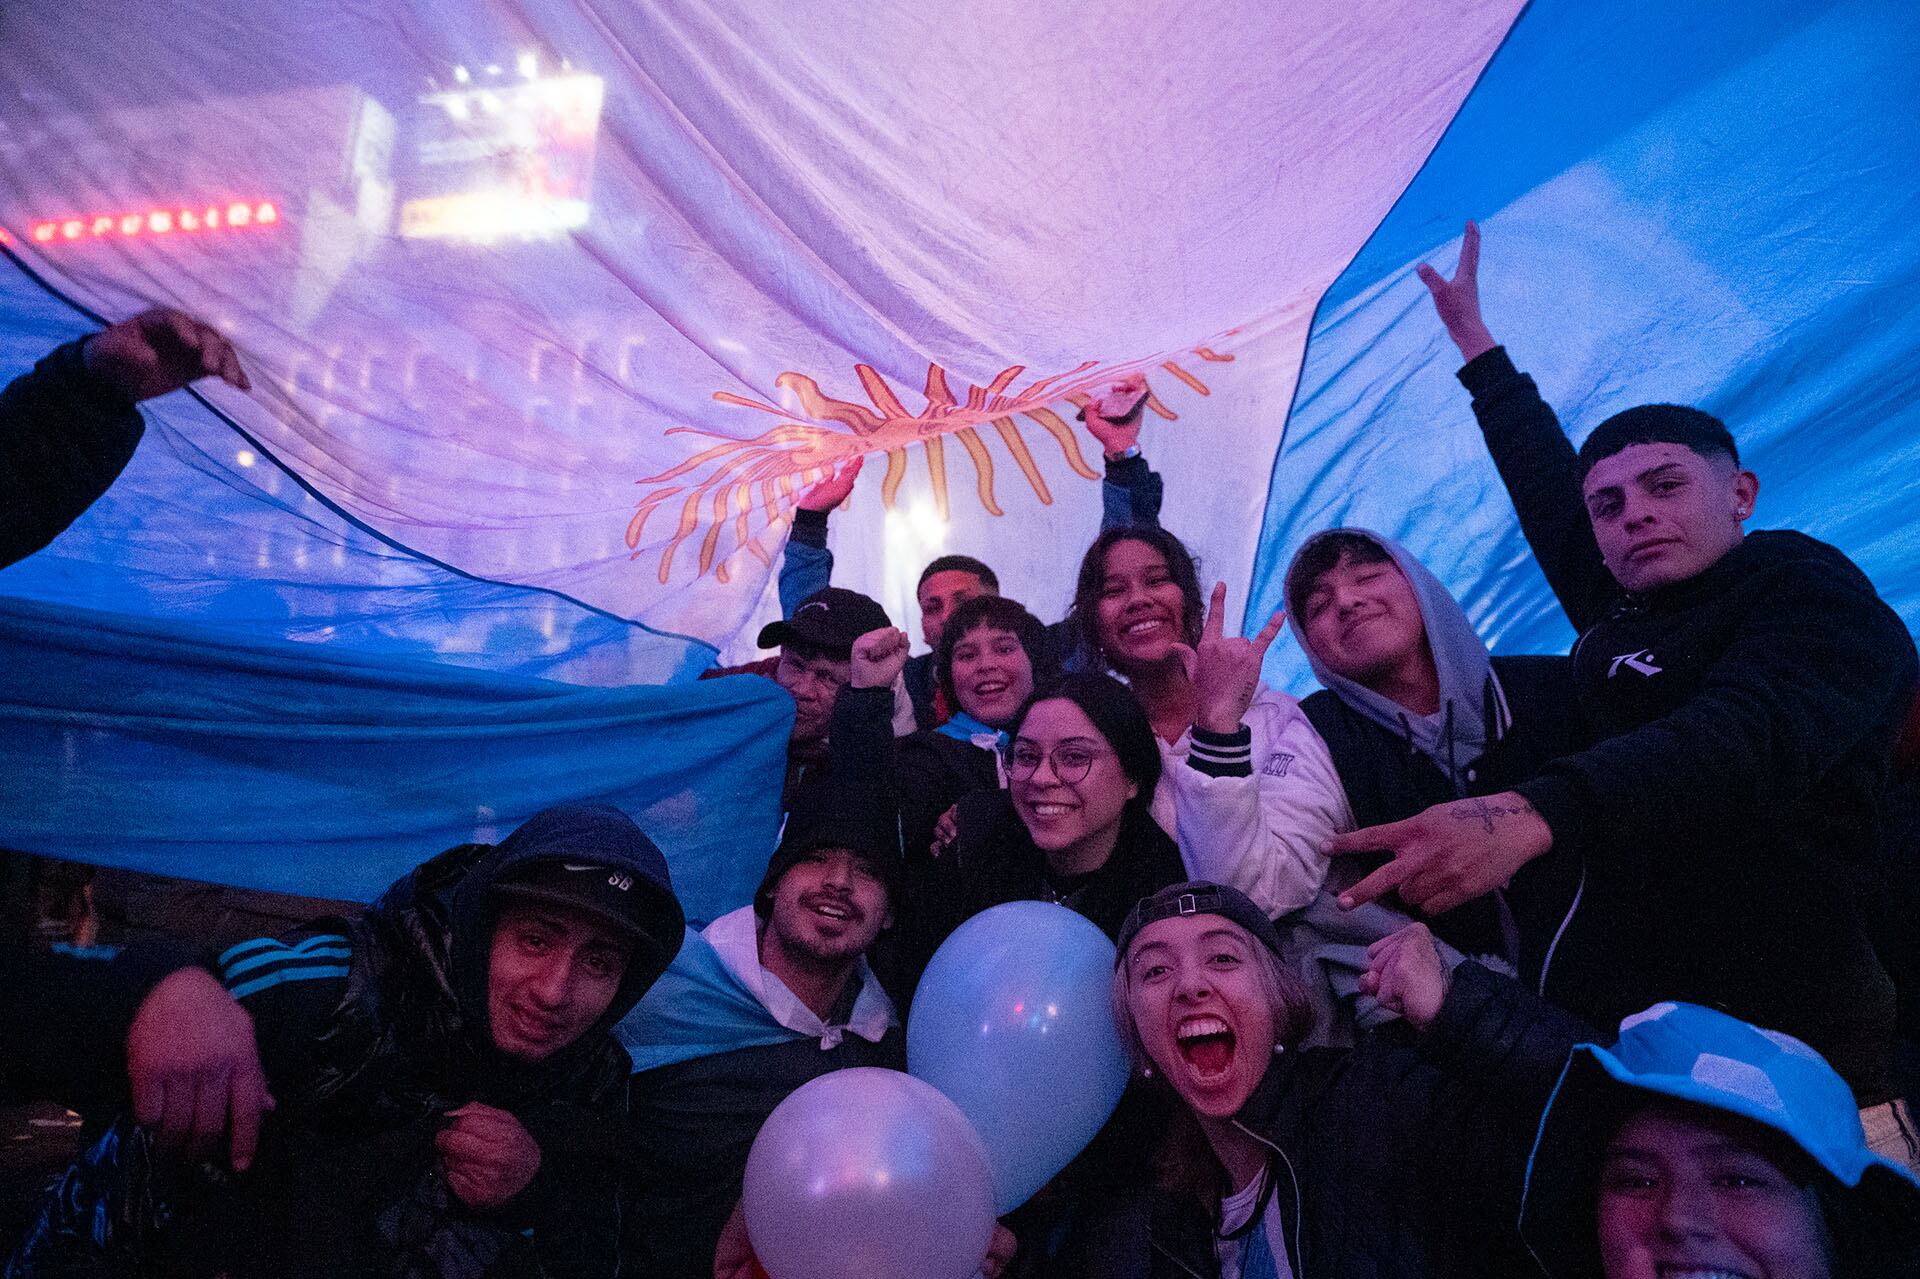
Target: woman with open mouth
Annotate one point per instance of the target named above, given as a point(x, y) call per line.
point(1247, 787)
point(1376, 1161)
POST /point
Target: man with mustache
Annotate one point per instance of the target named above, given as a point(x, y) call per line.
point(761, 1001)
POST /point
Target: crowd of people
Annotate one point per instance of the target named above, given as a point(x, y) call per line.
point(1464, 965)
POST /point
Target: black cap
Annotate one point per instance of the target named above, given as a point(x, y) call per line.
point(593, 859)
point(1198, 897)
point(832, 822)
point(830, 619)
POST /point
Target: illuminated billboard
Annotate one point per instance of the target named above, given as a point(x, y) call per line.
point(502, 159)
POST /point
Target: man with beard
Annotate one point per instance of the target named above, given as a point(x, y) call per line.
point(761, 1001)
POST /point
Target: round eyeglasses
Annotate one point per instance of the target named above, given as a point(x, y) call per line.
point(1071, 761)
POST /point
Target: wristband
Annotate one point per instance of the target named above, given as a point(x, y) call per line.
point(1126, 454)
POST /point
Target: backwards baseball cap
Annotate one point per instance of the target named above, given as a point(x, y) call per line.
point(830, 619)
point(1707, 1058)
point(1198, 897)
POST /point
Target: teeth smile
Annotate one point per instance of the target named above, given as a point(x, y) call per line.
point(1051, 810)
point(1194, 1027)
point(832, 911)
point(1141, 628)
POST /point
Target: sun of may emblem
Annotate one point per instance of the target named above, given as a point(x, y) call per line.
point(725, 487)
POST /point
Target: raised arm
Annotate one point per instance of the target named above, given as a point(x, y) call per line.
point(1254, 810)
point(69, 428)
point(1132, 490)
point(1535, 460)
point(808, 564)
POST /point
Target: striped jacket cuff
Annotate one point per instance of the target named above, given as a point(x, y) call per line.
point(263, 963)
point(1222, 754)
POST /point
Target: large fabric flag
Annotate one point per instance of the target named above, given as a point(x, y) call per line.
point(552, 311)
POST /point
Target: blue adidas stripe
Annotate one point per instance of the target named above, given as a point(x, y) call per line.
point(259, 984)
point(329, 945)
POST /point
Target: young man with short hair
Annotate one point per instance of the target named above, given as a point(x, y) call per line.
point(440, 1074)
point(1130, 494)
point(1415, 711)
point(1746, 691)
point(762, 1000)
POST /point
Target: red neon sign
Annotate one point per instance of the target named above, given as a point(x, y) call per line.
point(177, 220)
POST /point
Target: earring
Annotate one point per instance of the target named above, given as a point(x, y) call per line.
point(1278, 1049)
point(1146, 1072)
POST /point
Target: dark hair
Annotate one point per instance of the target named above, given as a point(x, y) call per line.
point(1084, 617)
point(1000, 613)
point(958, 564)
point(1700, 431)
point(1116, 712)
point(1323, 553)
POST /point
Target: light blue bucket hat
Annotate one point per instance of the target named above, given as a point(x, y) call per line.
point(1693, 1054)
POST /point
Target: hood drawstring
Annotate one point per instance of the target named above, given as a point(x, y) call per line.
point(1453, 765)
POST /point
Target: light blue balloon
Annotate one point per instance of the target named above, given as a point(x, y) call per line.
point(1014, 1022)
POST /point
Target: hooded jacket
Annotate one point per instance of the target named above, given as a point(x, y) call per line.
point(1501, 719)
point(1389, 1162)
point(370, 1031)
point(1732, 817)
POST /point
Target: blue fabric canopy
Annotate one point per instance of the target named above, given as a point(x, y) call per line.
point(183, 751)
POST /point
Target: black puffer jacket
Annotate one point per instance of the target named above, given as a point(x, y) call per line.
point(1407, 1163)
point(364, 1068)
point(1734, 816)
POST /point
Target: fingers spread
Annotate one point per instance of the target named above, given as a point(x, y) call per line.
point(1215, 625)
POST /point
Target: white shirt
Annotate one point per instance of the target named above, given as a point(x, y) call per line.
point(1235, 1211)
point(1264, 834)
point(735, 937)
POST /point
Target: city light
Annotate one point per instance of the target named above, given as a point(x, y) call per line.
point(174, 220)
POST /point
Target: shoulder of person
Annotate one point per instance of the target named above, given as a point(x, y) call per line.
point(1790, 556)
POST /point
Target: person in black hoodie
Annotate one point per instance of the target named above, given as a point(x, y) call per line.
point(1746, 692)
point(1074, 825)
point(68, 428)
point(444, 1083)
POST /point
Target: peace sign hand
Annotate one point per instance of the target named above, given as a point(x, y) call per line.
point(1458, 300)
point(1225, 670)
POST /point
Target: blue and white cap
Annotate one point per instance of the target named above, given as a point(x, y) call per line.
point(1708, 1058)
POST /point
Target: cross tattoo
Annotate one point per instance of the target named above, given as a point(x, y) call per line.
point(1486, 812)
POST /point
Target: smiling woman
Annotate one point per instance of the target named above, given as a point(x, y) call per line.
point(1073, 827)
point(1381, 1159)
point(1246, 785)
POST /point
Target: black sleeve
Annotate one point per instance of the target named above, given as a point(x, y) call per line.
point(65, 1016)
point(860, 748)
point(292, 986)
point(64, 438)
point(1812, 668)
point(572, 1205)
point(1537, 464)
